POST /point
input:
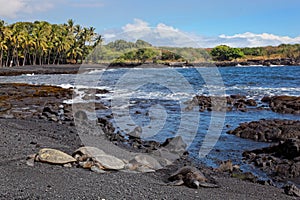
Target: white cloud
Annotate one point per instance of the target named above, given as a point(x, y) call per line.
point(164, 35)
point(138, 25)
point(160, 35)
point(109, 35)
point(12, 8)
point(136, 30)
point(264, 39)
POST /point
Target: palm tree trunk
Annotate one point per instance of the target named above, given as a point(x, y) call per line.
point(1, 57)
point(17, 58)
point(55, 57)
point(40, 59)
point(34, 58)
point(7, 59)
point(49, 57)
point(24, 61)
point(30, 59)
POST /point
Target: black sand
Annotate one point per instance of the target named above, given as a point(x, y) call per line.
point(20, 138)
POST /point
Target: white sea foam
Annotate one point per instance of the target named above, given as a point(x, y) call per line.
point(28, 74)
point(97, 71)
point(66, 86)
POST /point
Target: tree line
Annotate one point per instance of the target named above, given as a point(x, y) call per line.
point(122, 51)
point(40, 43)
point(283, 51)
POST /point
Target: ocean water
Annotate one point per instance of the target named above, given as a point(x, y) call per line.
point(155, 100)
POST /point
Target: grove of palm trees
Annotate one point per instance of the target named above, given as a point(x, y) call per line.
point(41, 43)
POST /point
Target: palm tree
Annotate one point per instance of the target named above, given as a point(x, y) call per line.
point(98, 40)
point(40, 42)
point(91, 35)
point(63, 45)
point(70, 26)
point(74, 52)
point(26, 42)
point(40, 32)
point(17, 39)
point(4, 37)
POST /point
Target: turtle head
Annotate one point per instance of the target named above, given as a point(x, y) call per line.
point(196, 184)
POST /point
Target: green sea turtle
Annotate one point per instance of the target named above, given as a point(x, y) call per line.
point(97, 160)
point(143, 163)
point(52, 156)
point(191, 177)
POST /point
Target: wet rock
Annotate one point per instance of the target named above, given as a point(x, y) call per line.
point(175, 145)
point(49, 110)
point(136, 133)
point(251, 102)
point(102, 91)
point(292, 190)
point(166, 154)
point(268, 130)
point(152, 145)
point(226, 166)
point(266, 182)
point(279, 161)
point(132, 141)
point(23, 101)
point(237, 96)
point(290, 149)
point(284, 104)
point(247, 176)
point(266, 99)
point(116, 137)
point(230, 103)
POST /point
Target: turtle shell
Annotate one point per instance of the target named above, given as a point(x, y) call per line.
point(89, 151)
point(54, 156)
point(105, 160)
point(110, 162)
point(147, 161)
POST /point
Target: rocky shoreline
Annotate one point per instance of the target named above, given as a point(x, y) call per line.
point(40, 111)
point(266, 62)
point(281, 160)
point(279, 104)
point(75, 68)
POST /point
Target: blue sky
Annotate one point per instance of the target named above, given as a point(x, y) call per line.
point(235, 22)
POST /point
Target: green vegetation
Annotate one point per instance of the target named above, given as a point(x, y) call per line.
point(121, 51)
point(223, 52)
point(190, 54)
point(283, 51)
point(40, 43)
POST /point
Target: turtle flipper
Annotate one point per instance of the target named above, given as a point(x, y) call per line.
point(208, 185)
point(176, 183)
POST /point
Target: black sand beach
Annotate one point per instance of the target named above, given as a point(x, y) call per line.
point(43, 181)
point(23, 134)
